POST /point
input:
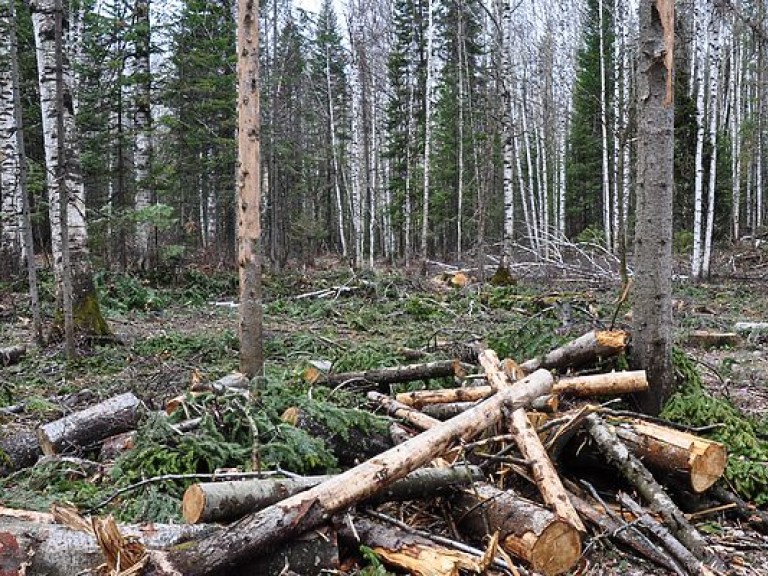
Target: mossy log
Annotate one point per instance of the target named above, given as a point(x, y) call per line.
point(219, 501)
point(92, 425)
point(260, 532)
point(586, 349)
point(528, 531)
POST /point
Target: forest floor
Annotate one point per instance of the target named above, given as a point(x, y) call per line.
point(173, 336)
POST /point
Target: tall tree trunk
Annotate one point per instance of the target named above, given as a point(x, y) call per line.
point(736, 71)
point(427, 130)
point(249, 188)
point(714, 93)
point(146, 232)
point(69, 188)
point(606, 183)
point(652, 341)
point(335, 154)
point(507, 134)
point(703, 18)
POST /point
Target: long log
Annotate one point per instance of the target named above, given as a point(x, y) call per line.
point(527, 530)
point(259, 532)
point(636, 473)
point(585, 349)
point(609, 384)
point(79, 429)
point(19, 449)
point(216, 501)
point(403, 412)
point(407, 551)
point(702, 462)
point(383, 377)
point(530, 446)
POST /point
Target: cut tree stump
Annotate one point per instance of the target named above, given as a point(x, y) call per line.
point(382, 378)
point(90, 426)
point(12, 354)
point(19, 449)
point(528, 531)
point(218, 501)
point(702, 462)
point(260, 532)
point(585, 349)
point(709, 339)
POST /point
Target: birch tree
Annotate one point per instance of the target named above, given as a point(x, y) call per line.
point(430, 79)
point(64, 182)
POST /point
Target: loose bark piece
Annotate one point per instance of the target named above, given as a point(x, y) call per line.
point(692, 564)
point(12, 354)
point(529, 443)
point(114, 416)
point(635, 472)
point(259, 532)
point(622, 533)
point(410, 552)
point(583, 350)
point(383, 377)
point(610, 384)
point(18, 449)
point(218, 501)
point(236, 381)
point(527, 530)
point(701, 461)
point(356, 446)
point(403, 412)
point(709, 339)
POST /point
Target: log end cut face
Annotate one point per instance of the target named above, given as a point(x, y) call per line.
point(707, 466)
point(557, 549)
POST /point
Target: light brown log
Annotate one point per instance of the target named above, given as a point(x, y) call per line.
point(383, 377)
point(709, 339)
point(19, 449)
point(403, 412)
point(528, 531)
point(12, 354)
point(530, 446)
point(217, 501)
point(585, 349)
point(701, 461)
point(609, 384)
point(409, 552)
point(259, 532)
point(635, 472)
point(80, 429)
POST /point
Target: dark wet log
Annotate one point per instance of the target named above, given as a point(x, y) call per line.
point(381, 378)
point(12, 354)
point(527, 530)
point(90, 426)
point(19, 449)
point(262, 531)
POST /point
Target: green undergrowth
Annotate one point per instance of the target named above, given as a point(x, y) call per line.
point(745, 438)
point(204, 348)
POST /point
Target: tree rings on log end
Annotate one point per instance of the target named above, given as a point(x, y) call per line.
point(707, 465)
point(555, 551)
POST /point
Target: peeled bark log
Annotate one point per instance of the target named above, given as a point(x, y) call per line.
point(231, 382)
point(702, 462)
point(114, 416)
point(609, 384)
point(12, 354)
point(18, 449)
point(409, 552)
point(259, 532)
point(383, 377)
point(218, 501)
point(353, 447)
point(527, 530)
point(585, 349)
point(527, 440)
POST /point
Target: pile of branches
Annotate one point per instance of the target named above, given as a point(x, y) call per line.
point(513, 471)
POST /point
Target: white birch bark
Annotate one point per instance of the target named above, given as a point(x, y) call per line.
point(507, 129)
point(355, 163)
point(460, 129)
point(533, 231)
point(427, 129)
point(335, 155)
point(735, 129)
point(606, 185)
point(143, 130)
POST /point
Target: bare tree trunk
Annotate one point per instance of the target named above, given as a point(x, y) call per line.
point(249, 190)
point(427, 130)
point(702, 23)
point(652, 343)
point(607, 203)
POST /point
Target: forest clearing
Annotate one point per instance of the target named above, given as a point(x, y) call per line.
point(174, 343)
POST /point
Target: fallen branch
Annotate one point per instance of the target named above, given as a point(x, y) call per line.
point(384, 377)
point(583, 350)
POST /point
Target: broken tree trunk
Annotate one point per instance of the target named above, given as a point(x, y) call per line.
point(636, 473)
point(79, 429)
point(530, 446)
point(702, 462)
point(12, 354)
point(259, 532)
point(218, 501)
point(350, 448)
point(583, 350)
point(410, 552)
point(529, 531)
point(18, 449)
point(609, 384)
point(383, 377)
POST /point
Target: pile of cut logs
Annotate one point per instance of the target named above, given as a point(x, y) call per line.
point(492, 477)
